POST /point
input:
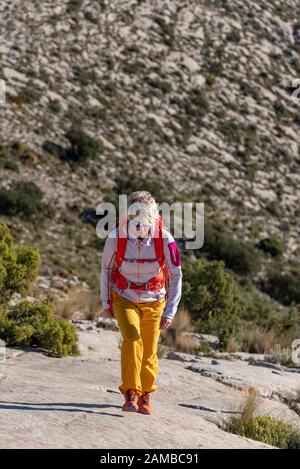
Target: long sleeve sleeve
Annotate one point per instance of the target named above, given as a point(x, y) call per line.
point(173, 264)
point(107, 265)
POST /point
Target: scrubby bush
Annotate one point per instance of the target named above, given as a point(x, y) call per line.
point(226, 335)
point(288, 325)
point(259, 309)
point(205, 349)
point(283, 287)
point(5, 160)
point(74, 6)
point(18, 266)
point(263, 428)
point(271, 431)
point(212, 296)
point(28, 324)
point(166, 30)
point(271, 245)
point(82, 146)
point(196, 103)
point(234, 36)
point(29, 94)
point(25, 199)
point(237, 133)
point(238, 256)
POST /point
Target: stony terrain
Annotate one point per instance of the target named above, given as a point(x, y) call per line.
point(75, 402)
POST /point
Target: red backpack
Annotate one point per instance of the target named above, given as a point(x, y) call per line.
point(155, 283)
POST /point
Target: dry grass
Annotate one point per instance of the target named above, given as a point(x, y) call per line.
point(80, 304)
point(182, 321)
point(232, 345)
point(174, 336)
point(250, 404)
point(259, 340)
point(161, 350)
point(247, 408)
point(185, 344)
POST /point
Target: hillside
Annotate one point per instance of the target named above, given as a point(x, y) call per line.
point(190, 100)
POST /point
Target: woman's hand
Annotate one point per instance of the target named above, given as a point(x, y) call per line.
point(165, 323)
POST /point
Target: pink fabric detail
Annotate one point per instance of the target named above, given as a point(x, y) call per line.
point(174, 253)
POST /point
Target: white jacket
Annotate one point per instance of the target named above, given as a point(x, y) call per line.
point(140, 273)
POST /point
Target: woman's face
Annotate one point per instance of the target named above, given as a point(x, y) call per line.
point(138, 227)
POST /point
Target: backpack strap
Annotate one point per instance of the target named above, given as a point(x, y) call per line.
point(159, 243)
point(159, 250)
point(121, 240)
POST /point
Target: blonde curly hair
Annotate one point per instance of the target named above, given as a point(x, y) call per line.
point(144, 203)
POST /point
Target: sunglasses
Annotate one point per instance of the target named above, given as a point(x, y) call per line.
point(138, 224)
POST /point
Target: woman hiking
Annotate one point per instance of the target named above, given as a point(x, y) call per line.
point(141, 282)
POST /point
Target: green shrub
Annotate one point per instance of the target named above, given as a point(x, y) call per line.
point(157, 84)
point(6, 162)
point(268, 430)
point(294, 441)
point(238, 256)
point(84, 76)
point(226, 333)
point(205, 349)
point(29, 94)
point(237, 133)
point(83, 147)
point(24, 199)
point(272, 208)
point(284, 288)
point(28, 324)
point(259, 309)
point(230, 129)
point(11, 165)
point(271, 245)
point(288, 325)
point(234, 36)
point(74, 6)
point(196, 103)
point(262, 428)
point(55, 106)
point(90, 17)
point(211, 295)
point(166, 30)
point(18, 266)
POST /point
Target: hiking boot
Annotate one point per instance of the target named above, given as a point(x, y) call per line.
point(144, 403)
point(131, 399)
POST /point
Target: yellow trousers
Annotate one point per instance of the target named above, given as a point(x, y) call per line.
point(139, 327)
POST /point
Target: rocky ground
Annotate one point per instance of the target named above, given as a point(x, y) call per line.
point(74, 402)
